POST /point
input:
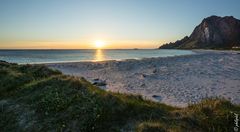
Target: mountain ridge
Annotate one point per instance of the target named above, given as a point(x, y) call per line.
point(213, 32)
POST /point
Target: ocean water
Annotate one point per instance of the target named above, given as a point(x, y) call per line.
point(51, 56)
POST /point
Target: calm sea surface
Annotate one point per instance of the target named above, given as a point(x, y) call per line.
point(50, 56)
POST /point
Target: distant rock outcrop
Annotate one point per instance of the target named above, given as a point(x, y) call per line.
point(213, 33)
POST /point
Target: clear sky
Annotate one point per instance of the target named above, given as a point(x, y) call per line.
point(48, 24)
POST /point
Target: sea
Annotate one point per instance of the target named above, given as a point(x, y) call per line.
point(78, 55)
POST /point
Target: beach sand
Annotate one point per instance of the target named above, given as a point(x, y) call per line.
point(176, 81)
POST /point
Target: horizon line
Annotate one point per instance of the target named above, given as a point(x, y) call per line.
point(78, 49)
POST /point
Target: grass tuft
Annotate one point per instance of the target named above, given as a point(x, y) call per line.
point(36, 98)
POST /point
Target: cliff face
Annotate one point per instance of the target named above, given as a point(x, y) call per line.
point(212, 33)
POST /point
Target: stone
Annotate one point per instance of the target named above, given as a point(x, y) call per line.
point(99, 82)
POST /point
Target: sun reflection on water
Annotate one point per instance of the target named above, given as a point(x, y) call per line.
point(99, 55)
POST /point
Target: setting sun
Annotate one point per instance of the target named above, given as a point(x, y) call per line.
point(99, 44)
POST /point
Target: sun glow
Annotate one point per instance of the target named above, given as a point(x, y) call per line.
point(99, 44)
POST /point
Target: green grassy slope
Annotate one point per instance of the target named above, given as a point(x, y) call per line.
point(35, 98)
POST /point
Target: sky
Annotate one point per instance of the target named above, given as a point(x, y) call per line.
point(118, 24)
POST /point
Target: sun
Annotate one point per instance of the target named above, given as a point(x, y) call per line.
point(99, 44)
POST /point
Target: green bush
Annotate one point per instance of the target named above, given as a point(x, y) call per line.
point(36, 98)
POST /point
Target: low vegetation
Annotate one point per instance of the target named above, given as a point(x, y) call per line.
point(36, 98)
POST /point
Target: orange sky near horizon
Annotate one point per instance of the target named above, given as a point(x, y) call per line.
point(111, 44)
point(120, 24)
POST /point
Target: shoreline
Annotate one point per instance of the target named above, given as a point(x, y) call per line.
point(175, 80)
point(94, 56)
point(195, 51)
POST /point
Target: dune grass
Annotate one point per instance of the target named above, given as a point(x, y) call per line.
point(36, 98)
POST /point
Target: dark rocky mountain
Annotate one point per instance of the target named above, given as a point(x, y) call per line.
point(214, 32)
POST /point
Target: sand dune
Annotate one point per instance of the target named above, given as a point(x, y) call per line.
point(173, 80)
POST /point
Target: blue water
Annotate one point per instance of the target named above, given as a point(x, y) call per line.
point(51, 56)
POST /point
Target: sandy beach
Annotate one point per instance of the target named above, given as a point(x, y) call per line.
point(177, 81)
